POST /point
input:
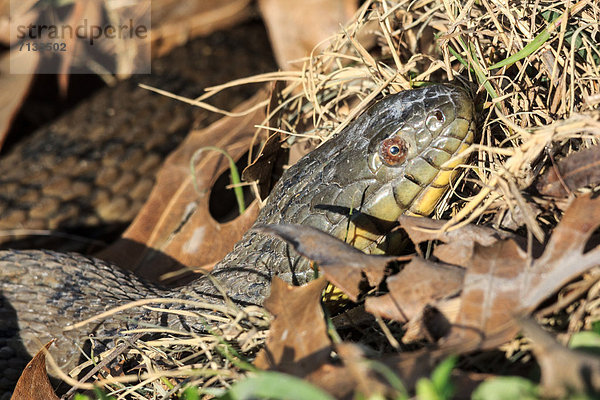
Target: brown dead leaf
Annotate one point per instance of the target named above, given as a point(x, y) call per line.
point(15, 85)
point(340, 263)
point(261, 170)
point(34, 383)
point(575, 171)
point(175, 22)
point(491, 296)
point(17, 13)
point(420, 282)
point(175, 223)
point(357, 373)
point(298, 343)
point(83, 10)
point(457, 245)
point(562, 368)
point(296, 27)
point(502, 282)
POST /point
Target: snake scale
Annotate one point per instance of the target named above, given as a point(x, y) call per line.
point(392, 159)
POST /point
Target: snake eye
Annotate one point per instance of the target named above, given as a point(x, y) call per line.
point(435, 120)
point(393, 151)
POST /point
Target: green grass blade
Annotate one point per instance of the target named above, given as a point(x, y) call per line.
point(235, 176)
point(275, 385)
point(530, 48)
point(391, 378)
point(479, 71)
point(441, 377)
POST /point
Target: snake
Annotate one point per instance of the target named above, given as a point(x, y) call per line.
point(397, 157)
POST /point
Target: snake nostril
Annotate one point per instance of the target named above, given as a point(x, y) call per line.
point(435, 120)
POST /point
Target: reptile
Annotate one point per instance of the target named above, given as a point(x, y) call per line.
point(392, 159)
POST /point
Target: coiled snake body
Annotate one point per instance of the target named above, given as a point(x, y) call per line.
point(392, 159)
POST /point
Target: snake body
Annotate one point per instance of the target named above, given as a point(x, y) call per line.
point(89, 171)
point(392, 159)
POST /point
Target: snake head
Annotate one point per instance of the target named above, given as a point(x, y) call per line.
point(397, 157)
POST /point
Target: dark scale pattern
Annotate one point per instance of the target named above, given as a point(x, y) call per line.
point(45, 291)
point(89, 172)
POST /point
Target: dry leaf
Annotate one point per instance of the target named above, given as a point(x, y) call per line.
point(34, 383)
point(16, 13)
point(457, 245)
point(296, 27)
point(357, 374)
point(340, 263)
point(83, 10)
point(501, 280)
point(571, 173)
point(175, 225)
point(261, 170)
point(420, 282)
point(14, 86)
point(494, 286)
point(298, 343)
point(272, 156)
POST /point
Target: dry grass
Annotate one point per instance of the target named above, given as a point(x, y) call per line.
point(157, 362)
point(540, 106)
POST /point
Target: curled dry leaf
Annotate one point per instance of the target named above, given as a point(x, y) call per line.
point(261, 170)
point(15, 85)
point(420, 282)
point(34, 383)
point(175, 22)
point(577, 170)
point(502, 281)
point(298, 343)
point(272, 156)
point(340, 263)
point(175, 225)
